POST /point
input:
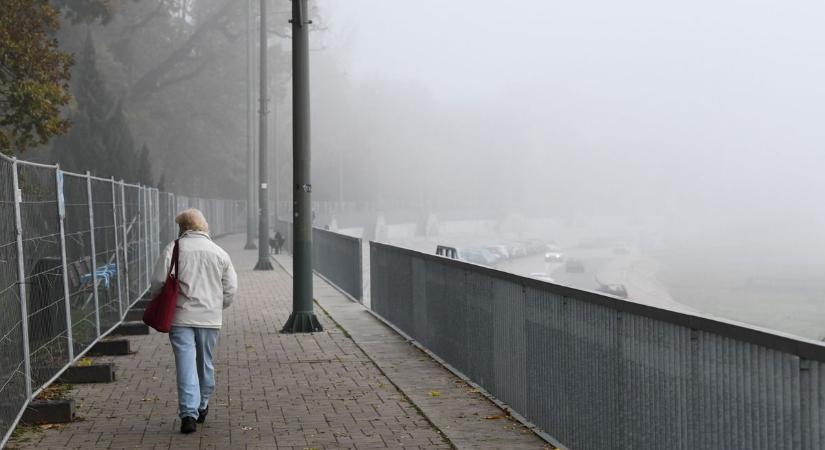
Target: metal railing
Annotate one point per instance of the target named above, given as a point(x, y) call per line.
point(76, 251)
point(596, 372)
point(335, 257)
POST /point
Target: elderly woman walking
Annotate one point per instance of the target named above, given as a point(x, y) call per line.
point(207, 286)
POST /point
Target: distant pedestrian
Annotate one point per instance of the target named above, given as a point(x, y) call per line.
point(277, 242)
point(207, 286)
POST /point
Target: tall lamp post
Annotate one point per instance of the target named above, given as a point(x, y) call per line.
point(263, 198)
point(303, 318)
point(250, 147)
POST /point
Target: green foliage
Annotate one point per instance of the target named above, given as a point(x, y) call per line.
point(33, 75)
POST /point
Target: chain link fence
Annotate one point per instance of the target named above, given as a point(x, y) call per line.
point(76, 252)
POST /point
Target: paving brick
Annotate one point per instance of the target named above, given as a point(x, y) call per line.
point(273, 390)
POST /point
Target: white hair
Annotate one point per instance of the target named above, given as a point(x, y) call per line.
point(192, 220)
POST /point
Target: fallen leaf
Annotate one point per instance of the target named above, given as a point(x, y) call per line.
point(492, 417)
point(245, 428)
point(435, 394)
point(84, 362)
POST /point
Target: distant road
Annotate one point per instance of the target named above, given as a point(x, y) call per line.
point(638, 274)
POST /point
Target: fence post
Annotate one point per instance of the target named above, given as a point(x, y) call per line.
point(94, 249)
point(121, 269)
point(145, 216)
point(21, 278)
point(125, 245)
point(155, 229)
point(61, 215)
point(171, 209)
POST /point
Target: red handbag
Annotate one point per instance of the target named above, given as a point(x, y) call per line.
point(161, 309)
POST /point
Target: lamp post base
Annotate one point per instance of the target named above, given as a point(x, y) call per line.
point(264, 264)
point(302, 322)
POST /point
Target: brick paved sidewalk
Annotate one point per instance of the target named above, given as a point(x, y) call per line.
point(273, 390)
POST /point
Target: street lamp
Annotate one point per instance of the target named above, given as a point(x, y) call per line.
point(250, 147)
point(302, 319)
point(263, 198)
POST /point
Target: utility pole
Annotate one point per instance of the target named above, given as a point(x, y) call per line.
point(302, 319)
point(263, 198)
point(250, 147)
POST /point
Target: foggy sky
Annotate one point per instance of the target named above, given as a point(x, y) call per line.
point(709, 112)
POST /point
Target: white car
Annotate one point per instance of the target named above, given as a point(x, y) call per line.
point(553, 257)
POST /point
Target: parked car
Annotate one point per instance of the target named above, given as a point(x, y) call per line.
point(479, 256)
point(552, 246)
point(517, 249)
point(618, 290)
point(553, 257)
point(471, 254)
point(574, 266)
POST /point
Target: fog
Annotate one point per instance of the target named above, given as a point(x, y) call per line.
point(691, 130)
point(674, 148)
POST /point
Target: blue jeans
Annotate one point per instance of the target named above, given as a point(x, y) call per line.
point(193, 349)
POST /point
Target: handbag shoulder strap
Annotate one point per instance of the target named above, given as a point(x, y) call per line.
point(174, 264)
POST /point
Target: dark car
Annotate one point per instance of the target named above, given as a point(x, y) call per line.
point(574, 266)
point(446, 251)
point(479, 256)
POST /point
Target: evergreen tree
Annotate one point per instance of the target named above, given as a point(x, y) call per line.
point(143, 164)
point(119, 144)
point(100, 139)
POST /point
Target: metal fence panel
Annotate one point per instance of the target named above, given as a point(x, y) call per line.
point(600, 373)
point(166, 218)
point(75, 252)
point(82, 278)
point(13, 384)
point(134, 245)
point(106, 252)
point(338, 259)
point(121, 236)
point(43, 268)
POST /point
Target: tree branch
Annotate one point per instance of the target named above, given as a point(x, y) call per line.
point(191, 74)
point(153, 80)
point(145, 21)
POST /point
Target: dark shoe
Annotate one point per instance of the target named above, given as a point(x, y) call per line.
point(187, 425)
point(202, 414)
